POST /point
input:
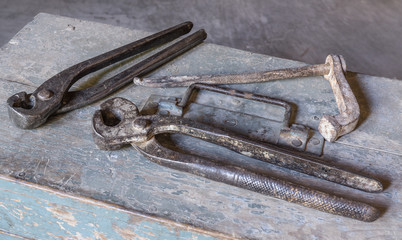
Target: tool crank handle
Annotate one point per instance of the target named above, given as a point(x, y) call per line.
point(330, 127)
point(266, 185)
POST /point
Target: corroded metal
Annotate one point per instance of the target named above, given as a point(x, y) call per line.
point(118, 123)
point(331, 127)
point(52, 97)
point(241, 78)
point(232, 92)
point(266, 126)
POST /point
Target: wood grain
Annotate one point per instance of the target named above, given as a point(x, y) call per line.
point(62, 155)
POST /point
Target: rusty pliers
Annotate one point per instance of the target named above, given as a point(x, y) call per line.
point(53, 96)
point(118, 123)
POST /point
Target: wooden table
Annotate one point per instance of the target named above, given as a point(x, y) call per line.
point(56, 184)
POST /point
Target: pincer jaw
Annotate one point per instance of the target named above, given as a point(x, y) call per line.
point(114, 124)
point(20, 110)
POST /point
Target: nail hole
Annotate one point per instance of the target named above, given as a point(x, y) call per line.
point(111, 117)
point(27, 103)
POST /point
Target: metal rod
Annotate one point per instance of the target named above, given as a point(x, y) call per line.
point(246, 95)
point(242, 78)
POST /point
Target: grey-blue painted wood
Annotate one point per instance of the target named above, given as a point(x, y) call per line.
point(61, 154)
point(40, 213)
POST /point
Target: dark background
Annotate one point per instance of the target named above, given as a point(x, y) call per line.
point(367, 33)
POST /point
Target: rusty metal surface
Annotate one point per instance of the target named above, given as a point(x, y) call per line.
point(241, 78)
point(334, 69)
point(118, 123)
point(32, 110)
point(232, 92)
point(127, 179)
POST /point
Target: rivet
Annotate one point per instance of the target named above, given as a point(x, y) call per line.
point(296, 142)
point(315, 141)
point(45, 94)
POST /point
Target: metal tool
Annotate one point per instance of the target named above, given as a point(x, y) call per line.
point(265, 122)
point(331, 127)
point(118, 123)
point(53, 97)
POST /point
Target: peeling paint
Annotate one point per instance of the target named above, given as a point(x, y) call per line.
point(60, 225)
point(19, 213)
point(128, 234)
point(26, 208)
point(63, 215)
point(2, 205)
point(100, 236)
point(55, 236)
point(135, 220)
point(78, 236)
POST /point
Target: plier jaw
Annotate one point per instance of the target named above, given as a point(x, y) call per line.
point(114, 124)
point(26, 111)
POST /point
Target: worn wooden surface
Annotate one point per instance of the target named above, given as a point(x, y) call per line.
point(48, 214)
point(62, 155)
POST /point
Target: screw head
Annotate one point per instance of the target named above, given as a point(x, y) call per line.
point(315, 141)
point(296, 142)
point(45, 94)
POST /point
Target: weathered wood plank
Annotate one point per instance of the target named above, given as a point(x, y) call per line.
point(62, 155)
point(39, 213)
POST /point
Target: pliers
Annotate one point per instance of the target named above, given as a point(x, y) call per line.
point(53, 96)
point(119, 123)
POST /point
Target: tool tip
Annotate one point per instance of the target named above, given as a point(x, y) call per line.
point(203, 33)
point(188, 24)
point(377, 186)
point(371, 214)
